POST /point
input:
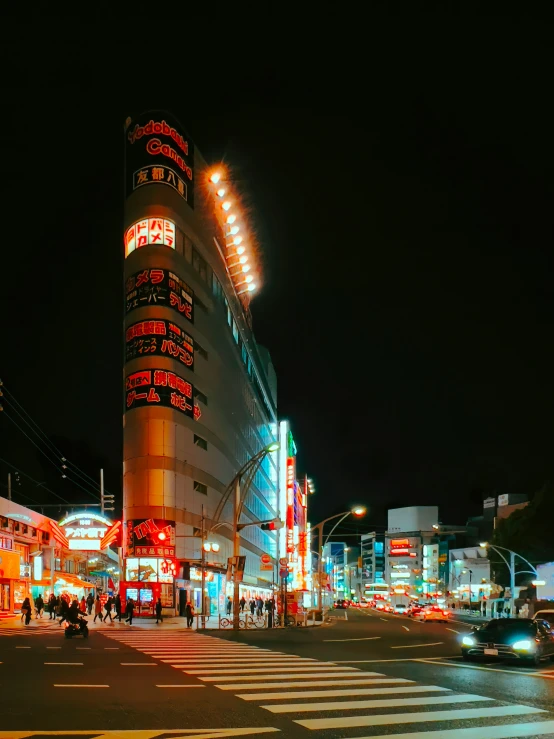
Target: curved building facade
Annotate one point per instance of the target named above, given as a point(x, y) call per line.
point(199, 393)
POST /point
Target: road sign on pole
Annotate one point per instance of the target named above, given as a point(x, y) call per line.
point(283, 561)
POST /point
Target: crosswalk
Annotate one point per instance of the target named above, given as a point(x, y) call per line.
point(328, 698)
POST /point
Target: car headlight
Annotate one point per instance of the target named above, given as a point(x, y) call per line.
point(469, 641)
point(523, 644)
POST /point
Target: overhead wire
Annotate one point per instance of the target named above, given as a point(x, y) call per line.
point(9, 464)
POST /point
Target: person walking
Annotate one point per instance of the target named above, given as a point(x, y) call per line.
point(252, 606)
point(26, 611)
point(62, 609)
point(52, 606)
point(189, 610)
point(129, 609)
point(229, 606)
point(159, 618)
point(260, 606)
point(90, 603)
point(83, 605)
point(39, 605)
point(118, 608)
point(242, 603)
point(97, 608)
point(109, 604)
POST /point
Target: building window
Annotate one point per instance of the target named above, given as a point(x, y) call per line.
point(229, 316)
point(200, 349)
point(69, 566)
point(243, 353)
point(199, 395)
point(199, 265)
point(199, 441)
point(235, 332)
point(200, 487)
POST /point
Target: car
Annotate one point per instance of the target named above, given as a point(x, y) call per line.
point(380, 606)
point(520, 639)
point(545, 615)
point(414, 610)
point(400, 609)
point(432, 613)
point(341, 603)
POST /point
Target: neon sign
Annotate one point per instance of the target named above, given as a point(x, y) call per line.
point(85, 531)
point(152, 287)
point(157, 231)
point(159, 338)
point(159, 387)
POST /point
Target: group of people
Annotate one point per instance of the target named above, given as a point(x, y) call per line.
point(59, 607)
point(256, 605)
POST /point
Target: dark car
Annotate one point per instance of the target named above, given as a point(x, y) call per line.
point(519, 639)
point(341, 603)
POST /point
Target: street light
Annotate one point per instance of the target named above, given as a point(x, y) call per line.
point(511, 565)
point(357, 511)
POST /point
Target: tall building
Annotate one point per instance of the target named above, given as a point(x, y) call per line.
point(200, 394)
point(372, 551)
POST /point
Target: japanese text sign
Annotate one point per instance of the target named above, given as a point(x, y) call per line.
point(155, 231)
point(159, 338)
point(159, 287)
point(158, 152)
point(158, 387)
point(151, 537)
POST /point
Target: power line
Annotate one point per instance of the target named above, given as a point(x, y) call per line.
point(18, 492)
point(9, 464)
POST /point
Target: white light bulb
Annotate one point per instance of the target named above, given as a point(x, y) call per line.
point(248, 278)
point(226, 205)
point(243, 260)
point(232, 218)
point(246, 268)
point(241, 250)
point(221, 192)
point(235, 230)
point(237, 240)
point(251, 287)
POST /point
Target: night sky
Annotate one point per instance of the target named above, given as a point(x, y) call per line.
point(404, 212)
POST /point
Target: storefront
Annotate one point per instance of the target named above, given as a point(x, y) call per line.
point(145, 581)
point(9, 579)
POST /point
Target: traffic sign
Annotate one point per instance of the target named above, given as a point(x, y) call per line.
point(283, 561)
point(283, 573)
point(266, 559)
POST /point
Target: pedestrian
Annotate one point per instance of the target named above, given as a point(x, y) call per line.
point(109, 604)
point(62, 609)
point(189, 610)
point(252, 606)
point(242, 602)
point(39, 605)
point(83, 605)
point(118, 607)
point(97, 608)
point(26, 611)
point(159, 611)
point(90, 603)
point(129, 611)
point(52, 606)
point(260, 606)
point(229, 605)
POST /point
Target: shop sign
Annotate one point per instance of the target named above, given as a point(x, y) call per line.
point(156, 286)
point(150, 231)
point(25, 571)
point(290, 505)
point(85, 531)
point(157, 151)
point(37, 567)
point(157, 387)
point(159, 338)
point(152, 537)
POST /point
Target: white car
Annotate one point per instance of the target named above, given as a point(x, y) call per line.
point(545, 615)
point(400, 608)
point(433, 613)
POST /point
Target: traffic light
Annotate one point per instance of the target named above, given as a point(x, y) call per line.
point(272, 525)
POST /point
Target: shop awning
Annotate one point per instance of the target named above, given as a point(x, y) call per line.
point(72, 580)
point(101, 573)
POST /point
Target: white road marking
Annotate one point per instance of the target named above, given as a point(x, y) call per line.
point(504, 731)
point(109, 649)
point(265, 670)
point(412, 646)
point(341, 693)
point(422, 717)
point(63, 663)
point(82, 648)
point(23, 647)
point(363, 638)
point(241, 666)
point(80, 686)
point(240, 660)
point(180, 686)
point(53, 647)
point(380, 703)
point(316, 683)
point(465, 666)
point(453, 630)
point(296, 676)
point(384, 619)
point(405, 627)
point(138, 664)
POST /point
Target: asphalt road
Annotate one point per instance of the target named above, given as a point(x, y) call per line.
point(371, 675)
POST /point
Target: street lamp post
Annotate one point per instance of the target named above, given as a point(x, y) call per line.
point(357, 511)
point(511, 565)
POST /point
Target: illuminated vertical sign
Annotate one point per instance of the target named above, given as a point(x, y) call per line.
point(290, 507)
point(283, 486)
point(150, 231)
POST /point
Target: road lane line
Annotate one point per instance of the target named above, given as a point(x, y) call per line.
point(413, 646)
point(503, 731)
point(405, 627)
point(387, 719)
point(453, 630)
point(463, 665)
point(296, 676)
point(138, 664)
point(53, 647)
point(363, 638)
point(340, 693)
point(317, 683)
point(82, 648)
point(80, 686)
point(384, 619)
point(265, 670)
point(109, 649)
point(379, 703)
point(63, 663)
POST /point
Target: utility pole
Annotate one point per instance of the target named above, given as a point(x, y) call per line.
point(203, 566)
point(9, 485)
point(236, 554)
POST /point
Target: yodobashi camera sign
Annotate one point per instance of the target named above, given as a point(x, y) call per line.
point(85, 531)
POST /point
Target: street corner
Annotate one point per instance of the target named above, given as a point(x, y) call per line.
point(142, 733)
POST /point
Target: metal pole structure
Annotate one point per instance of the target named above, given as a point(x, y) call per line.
point(512, 582)
point(203, 566)
point(236, 554)
point(320, 572)
point(9, 485)
point(102, 490)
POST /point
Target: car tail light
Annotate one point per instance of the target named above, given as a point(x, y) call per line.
point(446, 613)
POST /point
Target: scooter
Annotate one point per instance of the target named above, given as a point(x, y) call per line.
point(76, 629)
